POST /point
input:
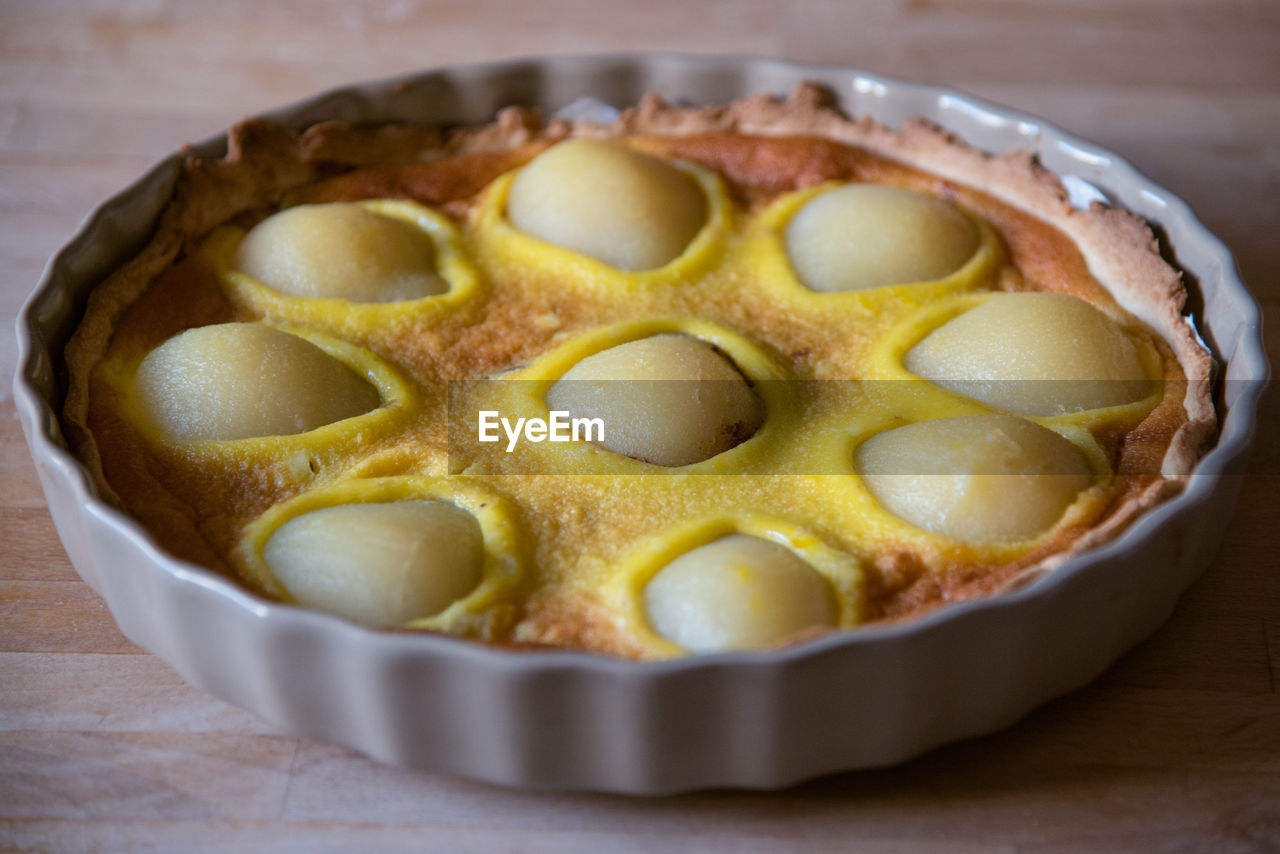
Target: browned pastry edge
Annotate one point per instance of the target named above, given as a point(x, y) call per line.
point(264, 163)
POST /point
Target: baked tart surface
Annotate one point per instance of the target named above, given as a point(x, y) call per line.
point(846, 374)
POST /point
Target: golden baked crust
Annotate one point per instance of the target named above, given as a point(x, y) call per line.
point(198, 506)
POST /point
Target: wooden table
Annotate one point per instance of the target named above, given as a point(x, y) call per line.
point(1177, 748)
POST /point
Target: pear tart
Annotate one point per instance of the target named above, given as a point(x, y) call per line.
point(850, 373)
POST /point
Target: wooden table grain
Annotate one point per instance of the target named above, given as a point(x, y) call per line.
point(103, 747)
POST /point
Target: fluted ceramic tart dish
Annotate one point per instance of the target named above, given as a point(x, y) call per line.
point(893, 391)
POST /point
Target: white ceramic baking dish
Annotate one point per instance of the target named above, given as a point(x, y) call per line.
point(576, 721)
